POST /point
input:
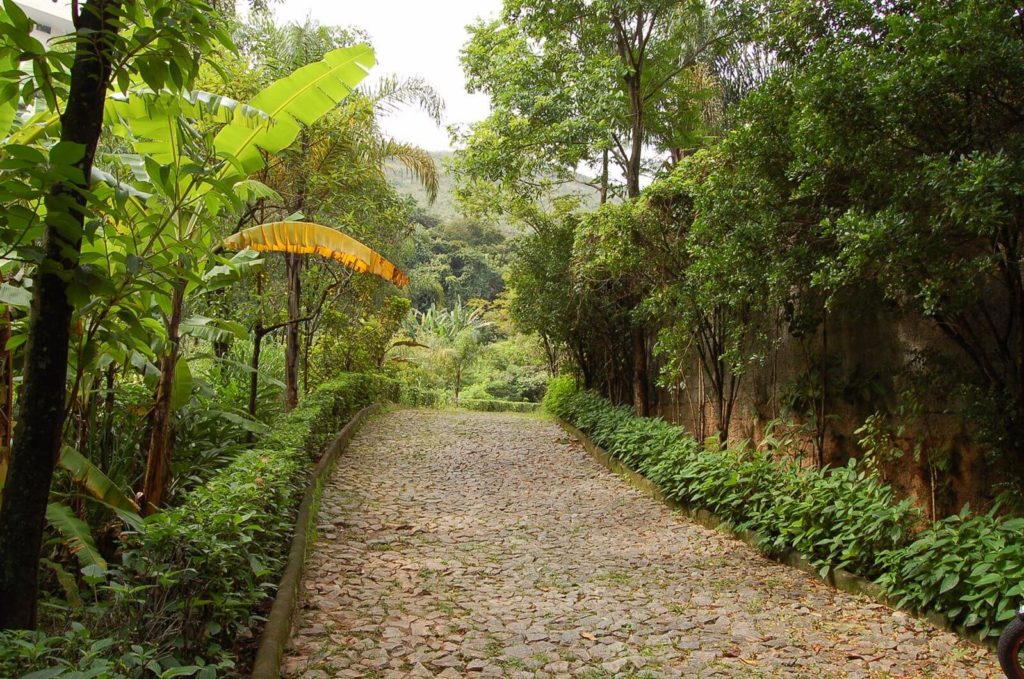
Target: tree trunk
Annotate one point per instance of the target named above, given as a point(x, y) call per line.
point(640, 401)
point(258, 333)
point(293, 269)
point(604, 177)
point(108, 416)
point(41, 409)
point(821, 427)
point(254, 364)
point(6, 396)
point(305, 361)
point(161, 443)
point(636, 111)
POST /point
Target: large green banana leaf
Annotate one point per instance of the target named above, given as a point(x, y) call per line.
point(268, 124)
point(9, 108)
point(149, 119)
point(299, 98)
point(92, 479)
point(76, 533)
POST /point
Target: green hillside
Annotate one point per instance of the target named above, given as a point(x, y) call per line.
point(444, 207)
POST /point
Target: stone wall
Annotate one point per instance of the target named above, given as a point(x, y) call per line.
point(864, 353)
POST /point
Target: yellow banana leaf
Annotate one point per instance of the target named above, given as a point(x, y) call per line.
point(314, 239)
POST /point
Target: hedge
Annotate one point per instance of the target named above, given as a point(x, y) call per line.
point(968, 568)
point(193, 578)
point(494, 405)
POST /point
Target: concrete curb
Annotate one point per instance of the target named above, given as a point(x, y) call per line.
point(842, 580)
point(278, 629)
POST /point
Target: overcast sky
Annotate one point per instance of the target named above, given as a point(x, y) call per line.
point(412, 37)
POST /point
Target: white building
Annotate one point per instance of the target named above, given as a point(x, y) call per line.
point(52, 18)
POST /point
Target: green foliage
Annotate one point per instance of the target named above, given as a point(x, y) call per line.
point(967, 567)
point(880, 168)
point(460, 259)
point(192, 577)
point(453, 338)
point(574, 82)
point(412, 395)
point(581, 321)
point(497, 406)
point(510, 368)
point(842, 517)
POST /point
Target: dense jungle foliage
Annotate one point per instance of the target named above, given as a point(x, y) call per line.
point(167, 377)
point(794, 222)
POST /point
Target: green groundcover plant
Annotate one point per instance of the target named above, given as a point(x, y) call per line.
point(965, 567)
point(194, 579)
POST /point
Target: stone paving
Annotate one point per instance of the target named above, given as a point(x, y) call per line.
point(458, 544)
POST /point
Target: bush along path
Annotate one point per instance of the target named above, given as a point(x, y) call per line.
point(458, 544)
point(965, 569)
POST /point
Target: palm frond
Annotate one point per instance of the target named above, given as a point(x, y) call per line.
point(392, 93)
point(417, 161)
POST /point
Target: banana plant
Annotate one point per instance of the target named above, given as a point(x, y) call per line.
point(304, 238)
point(198, 180)
point(192, 156)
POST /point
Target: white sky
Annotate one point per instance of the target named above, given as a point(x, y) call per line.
point(412, 37)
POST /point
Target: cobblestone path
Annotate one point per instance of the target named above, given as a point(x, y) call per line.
point(456, 544)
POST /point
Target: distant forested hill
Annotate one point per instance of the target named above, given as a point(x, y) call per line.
point(444, 207)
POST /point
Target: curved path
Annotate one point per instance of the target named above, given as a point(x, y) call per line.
point(457, 544)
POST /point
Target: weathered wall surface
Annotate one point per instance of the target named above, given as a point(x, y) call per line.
point(781, 396)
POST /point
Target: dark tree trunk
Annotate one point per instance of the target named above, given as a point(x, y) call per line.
point(254, 377)
point(293, 269)
point(6, 394)
point(108, 416)
point(44, 386)
point(604, 177)
point(258, 333)
point(161, 439)
point(640, 400)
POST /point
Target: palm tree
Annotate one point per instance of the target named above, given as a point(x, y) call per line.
point(333, 155)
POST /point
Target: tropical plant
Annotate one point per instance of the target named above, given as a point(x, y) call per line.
point(163, 45)
point(453, 337)
point(304, 238)
point(235, 149)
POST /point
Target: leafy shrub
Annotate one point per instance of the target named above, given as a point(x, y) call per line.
point(493, 405)
point(193, 576)
point(843, 517)
point(967, 567)
point(412, 395)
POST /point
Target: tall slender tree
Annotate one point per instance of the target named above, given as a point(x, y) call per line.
point(582, 83)
point(104, 52)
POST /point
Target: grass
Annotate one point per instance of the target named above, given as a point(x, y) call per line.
point(493, 648)
point(614, 577)
point(512, 664)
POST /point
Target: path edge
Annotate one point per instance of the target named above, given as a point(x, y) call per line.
point(839, 579)
point(278, 628)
